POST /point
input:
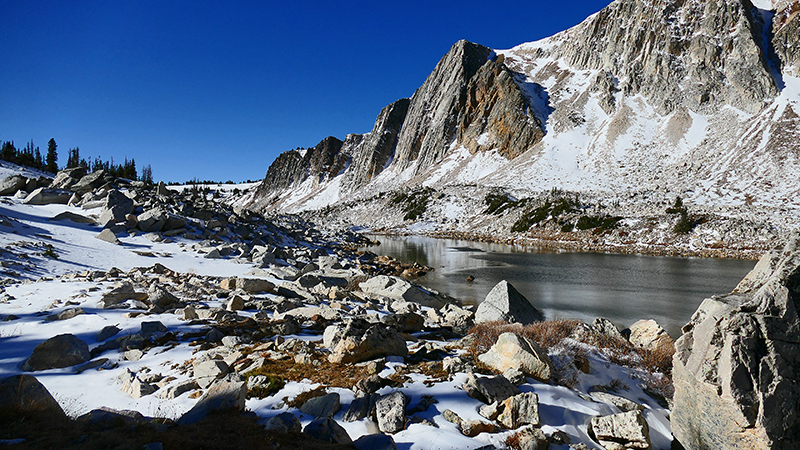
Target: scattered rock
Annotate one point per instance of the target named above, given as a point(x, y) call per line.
point(649, 335)
point(399, 289)
point(108, 236)
point(489, 389)
point(375, 442)
point(68, 313)
point(521, 409)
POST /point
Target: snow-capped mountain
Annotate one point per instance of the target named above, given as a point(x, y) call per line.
point(697, 99)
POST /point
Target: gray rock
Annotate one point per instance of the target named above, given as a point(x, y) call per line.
point(375, 442)
point(533, 438)
point(489, 389)
point(622, 403)
point(135, 387)
point(323, 406)
point(72, 217)
point(107, 332)
point(24, 393)
point(11, 184)
point(153, 326)
point(399, 289)
point(254, 285)
point(327, 430)
point(121, 292)
point(405, 323)
point(176, 390)
point(63, 350)
point(44, 196)
point(89, 182)
point(378, 340)
point(505, 304)
point(221, 396)
point(207, 372)
point(521, 409)
point(734, 368)
point(158, 296)
point(391, 412)
point(622, 431)
point(108, 236)
point(67, 178)
point(512, 351)
point(360, 408)
point(283, 423)
point(68, 313)
point(605, 327)
point(105, 418)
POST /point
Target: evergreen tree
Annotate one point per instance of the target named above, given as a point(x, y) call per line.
point(51, 161)
point(74, 158)
point(38, 162)
point(8, 152)
point(147, 174)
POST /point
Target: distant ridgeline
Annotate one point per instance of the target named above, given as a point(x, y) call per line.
point(32, 157)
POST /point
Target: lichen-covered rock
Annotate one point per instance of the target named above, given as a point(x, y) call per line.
point(390, 411)
point(735, 368)
point(622, 431)
point(521, 409)
point(512, 351)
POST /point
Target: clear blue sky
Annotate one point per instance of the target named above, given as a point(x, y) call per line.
point(216, 90)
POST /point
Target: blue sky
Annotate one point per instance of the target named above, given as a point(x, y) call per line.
point(216, 90)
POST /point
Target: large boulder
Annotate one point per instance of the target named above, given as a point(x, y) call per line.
point(44, 196)
point(512, 351)
point(64, 350)
point(736, 368)
point(323, 406)
point(116, 206)
point(67, 178)
point(521, 409)
point(25, 394)
point(89, 182)
point(390, 410)
point(11, 184)
point(397, 288)
point(489, 389)
point(505, 304)
point(648, 334)
point(327, 430)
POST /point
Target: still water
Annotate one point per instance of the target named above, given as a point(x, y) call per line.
point(622, 288)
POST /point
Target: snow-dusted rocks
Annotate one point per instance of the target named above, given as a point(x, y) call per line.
point(735, 365)
point(504, 303)
point(11, 184)
point(489, 389)
point(622, 431)
point(512, 351)
point(44, 196)
point(357, 341)
point(59, 351)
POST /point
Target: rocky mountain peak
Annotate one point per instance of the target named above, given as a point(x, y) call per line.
point(676, 52)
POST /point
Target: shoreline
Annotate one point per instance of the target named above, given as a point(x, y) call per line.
point(550, 242)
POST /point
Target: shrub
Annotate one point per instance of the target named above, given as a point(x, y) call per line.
point(603, 223)
point(414, 203)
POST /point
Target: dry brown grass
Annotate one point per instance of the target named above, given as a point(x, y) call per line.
point(547, 334)
point(325, 373)
point(304, 397)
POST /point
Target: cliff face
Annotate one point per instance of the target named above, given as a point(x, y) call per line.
point(673, 97)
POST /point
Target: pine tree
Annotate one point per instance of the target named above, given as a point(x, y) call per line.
point(51, 161)
point(147, 174)
point(38, 161)
point(8, 152)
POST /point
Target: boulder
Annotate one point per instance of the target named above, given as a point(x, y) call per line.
point(533, 438)
point(398, 288)
point(89, 182)
point(176, 390)
point(254, 285)
point(25, 394)
point(489, 389)
point(376, 341)
point(115, 207)
point(649, 335)
point(72, 217)
point(505, 304)
point(521, 409)
point(323, 406)
point(60, 351)
point(375, 442)
point(68, 313)
point(207, 372)
point(105, 418)
point(283, 423)
point(327, 430)
point(67, 178)
point(108, 236)
point(735, 367)
point(622, 431)
point(107, 332)
point(223, 395)
point(121, 292)
point(519, 352)
point(360, 408)
point(44, 196)
point(11, 184)
point(405, 323)
point(159, 296)
point(152, 220)
point(390, 411)
point(622, 403)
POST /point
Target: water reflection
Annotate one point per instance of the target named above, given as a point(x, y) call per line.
point(623, 288)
